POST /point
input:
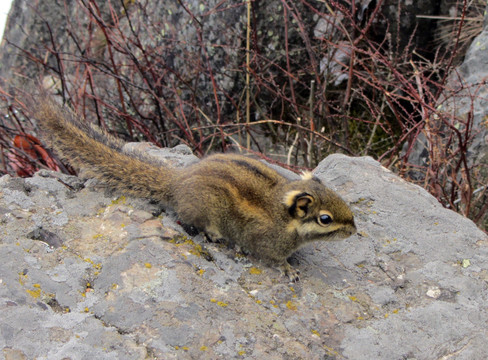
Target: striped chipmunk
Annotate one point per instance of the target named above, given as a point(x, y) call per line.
point(227, 196)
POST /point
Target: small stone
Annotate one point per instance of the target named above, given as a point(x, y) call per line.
point(140, 216)
point(433, 292)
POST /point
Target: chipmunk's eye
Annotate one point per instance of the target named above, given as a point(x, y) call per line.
point(324, 219)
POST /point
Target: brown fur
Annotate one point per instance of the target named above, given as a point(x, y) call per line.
point(228, 196)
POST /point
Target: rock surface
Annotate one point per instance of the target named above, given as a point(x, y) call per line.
point(85, 274)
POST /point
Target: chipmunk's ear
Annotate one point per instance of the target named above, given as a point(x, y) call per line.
point(298, 203)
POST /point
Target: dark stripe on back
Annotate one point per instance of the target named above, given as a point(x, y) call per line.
point(253, 168)
point(246, 165)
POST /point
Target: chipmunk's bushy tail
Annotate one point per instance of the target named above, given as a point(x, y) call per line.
point(101, 155)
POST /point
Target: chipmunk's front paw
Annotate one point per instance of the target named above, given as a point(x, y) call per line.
point(213, 234)
point(292, 274)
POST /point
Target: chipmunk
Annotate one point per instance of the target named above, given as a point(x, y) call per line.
point(228, 196)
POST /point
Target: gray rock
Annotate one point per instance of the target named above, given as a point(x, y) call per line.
point(413, 284)
point(180, 155)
